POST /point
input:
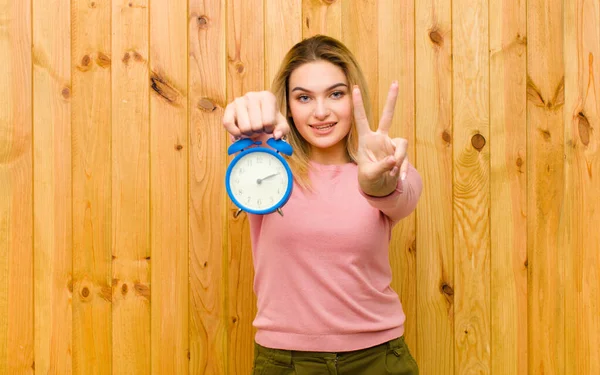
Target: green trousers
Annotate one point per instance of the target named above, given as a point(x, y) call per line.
point(392, 357)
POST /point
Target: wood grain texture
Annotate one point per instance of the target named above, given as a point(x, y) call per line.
point(581, 207)
point(545, 187)
point(245, 72)
point(207, 64)
point(169, 216)
point(508, 187)
point(16, 190)
point(130, 188)
point(111, 179)
point(471, 186)
point(281, 15)
point(398, 64)
point(91, 163)
point(434, 228)
point(322, 17)
point(52, 186)
point(360, 35)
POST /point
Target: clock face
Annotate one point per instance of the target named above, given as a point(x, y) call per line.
point(259, 182)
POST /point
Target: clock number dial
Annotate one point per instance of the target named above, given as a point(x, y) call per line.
point(258, 181)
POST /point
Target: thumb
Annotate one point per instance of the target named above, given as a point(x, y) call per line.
point(282, 127)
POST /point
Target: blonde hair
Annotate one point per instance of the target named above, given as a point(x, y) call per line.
point(317, 48)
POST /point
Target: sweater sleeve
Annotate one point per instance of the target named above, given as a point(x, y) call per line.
point(402, 201)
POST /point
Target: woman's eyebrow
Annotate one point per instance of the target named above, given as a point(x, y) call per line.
point(298, 88)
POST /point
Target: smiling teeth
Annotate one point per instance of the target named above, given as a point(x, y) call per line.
point(323, 127)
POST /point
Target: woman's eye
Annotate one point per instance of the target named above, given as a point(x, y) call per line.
point(337, 94)
point(303, 98)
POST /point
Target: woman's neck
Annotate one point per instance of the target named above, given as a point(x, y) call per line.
point(333, 155)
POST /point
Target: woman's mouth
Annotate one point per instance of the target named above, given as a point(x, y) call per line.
point(323, 128)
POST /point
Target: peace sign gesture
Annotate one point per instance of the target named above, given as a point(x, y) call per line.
point(381, 159)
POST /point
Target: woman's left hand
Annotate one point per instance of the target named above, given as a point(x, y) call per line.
point(381, 160)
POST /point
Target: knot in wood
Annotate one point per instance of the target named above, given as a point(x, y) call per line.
point(446, 136)
point(584, 128)
point(206, 105)
point(478, 142)
point(103, 60)
point(239, 67)
point(202, 22)
point(436, 38)
point(142, 290)
point(137, 57)
point(447, 289)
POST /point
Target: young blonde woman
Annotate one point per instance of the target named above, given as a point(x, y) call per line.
point(322, 271)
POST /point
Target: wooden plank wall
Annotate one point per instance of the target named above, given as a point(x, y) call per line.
point(508, 187)
point(53, 245)
point(119, 251)
point(131, 251)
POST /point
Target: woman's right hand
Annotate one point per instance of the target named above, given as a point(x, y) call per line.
point(253, 115)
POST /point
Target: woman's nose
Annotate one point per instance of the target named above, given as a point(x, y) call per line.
point(321, 110)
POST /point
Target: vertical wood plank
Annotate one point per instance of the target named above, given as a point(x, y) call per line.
point(397, 28)
point(435, 270)
point(91, 148)
point(581, 208)
point(545, 186)
point(16, 195)
point(207, 85)
point(508, 186)
point(359, 34)
point(281, 15)
point(245, 72)
point(471, 186)
point(169, 222)
point(52, 186)
point(322, 17)
point(130, 188)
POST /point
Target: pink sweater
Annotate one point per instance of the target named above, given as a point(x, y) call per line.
point(322, 271)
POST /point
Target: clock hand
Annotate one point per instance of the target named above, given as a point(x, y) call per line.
point(260, 180)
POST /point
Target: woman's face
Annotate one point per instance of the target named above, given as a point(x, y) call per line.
point(320, 103)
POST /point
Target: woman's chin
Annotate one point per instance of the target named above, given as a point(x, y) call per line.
point(327, 143)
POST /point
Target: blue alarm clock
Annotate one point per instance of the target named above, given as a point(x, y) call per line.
point(259, 180)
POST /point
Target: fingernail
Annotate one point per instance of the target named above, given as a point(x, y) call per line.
point(394, 171)
point(277, 134)
point(403, 176)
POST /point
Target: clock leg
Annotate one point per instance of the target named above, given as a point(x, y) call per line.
point(237, 213)
point(280, 212)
